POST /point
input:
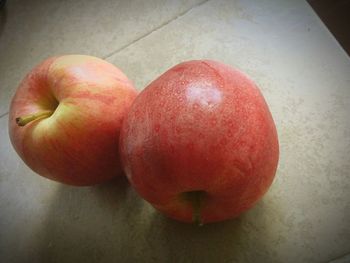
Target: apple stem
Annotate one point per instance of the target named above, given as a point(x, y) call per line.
point(197, 203)
point(23, 120)
point(196, 199)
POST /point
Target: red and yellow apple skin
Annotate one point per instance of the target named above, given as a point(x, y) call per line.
point(200, 137)
point(79, 102)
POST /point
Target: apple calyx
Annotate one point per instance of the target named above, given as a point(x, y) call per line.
point(196, 200)
point(23, 120)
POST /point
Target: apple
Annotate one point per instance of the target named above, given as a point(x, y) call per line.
point(65, 119)
point(199, 143)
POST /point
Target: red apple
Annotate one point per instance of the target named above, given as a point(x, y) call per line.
point(65, 119)
point(199, 143)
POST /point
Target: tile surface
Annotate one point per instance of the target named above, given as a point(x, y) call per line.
point(31, 31)
point(303, 74)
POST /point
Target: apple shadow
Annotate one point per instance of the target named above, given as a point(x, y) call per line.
point(111, 223)
point(238, 240)
point(152, 237)
point(83, 222)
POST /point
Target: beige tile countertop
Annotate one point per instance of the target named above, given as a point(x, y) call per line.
point(303, 73)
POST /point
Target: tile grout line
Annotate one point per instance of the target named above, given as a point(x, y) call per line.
point(340, 259)
point(155, 29)
point(3, 115)
point(143, 36)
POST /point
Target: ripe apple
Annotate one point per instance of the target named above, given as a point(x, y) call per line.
point(199, 143)
point(65, 119)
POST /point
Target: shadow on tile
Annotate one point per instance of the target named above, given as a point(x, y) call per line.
point(111, 223)
point(238, 240)
point(82, 222)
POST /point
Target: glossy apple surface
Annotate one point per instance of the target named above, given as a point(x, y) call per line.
point(65, 119)
point(199, 143)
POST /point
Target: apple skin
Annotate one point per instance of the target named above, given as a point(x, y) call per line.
point(78, 143)
point(201, 126)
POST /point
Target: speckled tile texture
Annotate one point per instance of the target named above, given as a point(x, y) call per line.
point(303, 74)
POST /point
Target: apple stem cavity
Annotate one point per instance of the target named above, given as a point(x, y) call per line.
point(23, 120)
point(196, 200)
